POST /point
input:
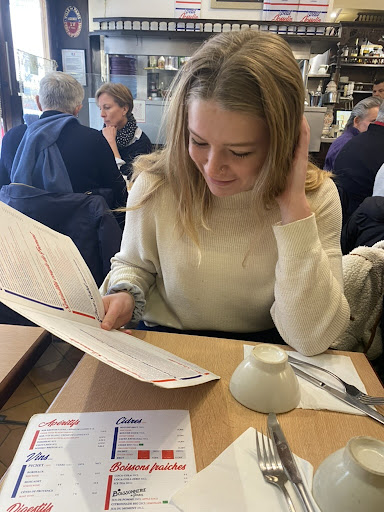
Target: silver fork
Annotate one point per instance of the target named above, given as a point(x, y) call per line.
point(349, 388)
point(271, 467)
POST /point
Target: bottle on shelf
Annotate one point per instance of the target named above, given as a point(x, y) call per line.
point(318, 94)
point(354, 52)
point(161, 62)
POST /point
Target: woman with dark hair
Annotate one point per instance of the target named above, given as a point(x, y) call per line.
point(126, 139)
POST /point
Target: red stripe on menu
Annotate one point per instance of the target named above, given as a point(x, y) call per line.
point(108, 493)
point(164, 380)
point(34, 439)
point(82, 314)
point(197, 3)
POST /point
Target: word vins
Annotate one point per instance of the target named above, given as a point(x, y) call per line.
point(36, 456)
point(118, 466)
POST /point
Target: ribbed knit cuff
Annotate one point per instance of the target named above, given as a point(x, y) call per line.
point(297, 237)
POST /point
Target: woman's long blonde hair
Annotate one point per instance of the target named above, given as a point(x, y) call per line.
point(251, 72)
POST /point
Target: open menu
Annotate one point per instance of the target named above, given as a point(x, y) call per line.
point(44, 278)
point(100, 461)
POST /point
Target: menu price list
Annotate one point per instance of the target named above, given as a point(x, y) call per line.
point(107, 461)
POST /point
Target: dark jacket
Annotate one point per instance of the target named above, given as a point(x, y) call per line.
point(356, 166)
point(86, 153)
point(84, 218)
point(365, 226)
point(337, 146)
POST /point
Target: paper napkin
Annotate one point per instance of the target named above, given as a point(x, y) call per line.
point(234, 482)
point(316, 398)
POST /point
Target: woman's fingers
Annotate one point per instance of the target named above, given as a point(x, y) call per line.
point(301, 152)
point(118, 310)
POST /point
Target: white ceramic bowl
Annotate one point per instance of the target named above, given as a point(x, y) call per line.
point(265, 382)
point(352, 479)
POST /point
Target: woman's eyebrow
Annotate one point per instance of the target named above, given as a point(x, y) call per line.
point(230, 144)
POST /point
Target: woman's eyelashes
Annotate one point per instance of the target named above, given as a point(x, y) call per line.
point(204, 144)
point(240, 155)
point(198, 143)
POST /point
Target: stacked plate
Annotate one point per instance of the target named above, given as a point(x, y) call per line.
point(122, 69)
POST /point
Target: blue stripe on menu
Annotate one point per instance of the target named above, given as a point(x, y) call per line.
point(114, 443)
point(33, 300)
point(18, 482)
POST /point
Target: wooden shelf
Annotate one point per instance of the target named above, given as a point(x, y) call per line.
point(348, 65)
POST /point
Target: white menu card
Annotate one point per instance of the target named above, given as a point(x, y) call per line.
point(100, 461)
point(44, 278)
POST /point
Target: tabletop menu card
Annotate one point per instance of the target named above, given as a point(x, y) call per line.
point(100, 461)
point(44, 278)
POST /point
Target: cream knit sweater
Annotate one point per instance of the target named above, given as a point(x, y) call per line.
point(248, 277)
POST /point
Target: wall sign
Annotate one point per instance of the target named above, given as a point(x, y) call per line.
point(72, 21)
point(74, 64)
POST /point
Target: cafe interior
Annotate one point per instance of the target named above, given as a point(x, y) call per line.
point(226, 422)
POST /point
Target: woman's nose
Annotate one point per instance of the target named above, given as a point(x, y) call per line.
point(213, 164)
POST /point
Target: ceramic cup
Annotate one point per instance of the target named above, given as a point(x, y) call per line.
point(323, 68)
point(352, 479)
point(265, 382)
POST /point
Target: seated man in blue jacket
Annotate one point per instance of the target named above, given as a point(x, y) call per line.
point(84, 152)
point(357, 164)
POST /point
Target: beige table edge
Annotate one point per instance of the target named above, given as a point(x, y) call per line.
point(216, 418)
point(21, 346)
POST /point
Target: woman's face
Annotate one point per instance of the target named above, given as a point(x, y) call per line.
point(362, 123)
point(111, 112)
point(228, 147)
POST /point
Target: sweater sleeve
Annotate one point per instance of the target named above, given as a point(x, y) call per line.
point(135, 266)
point(310, 309)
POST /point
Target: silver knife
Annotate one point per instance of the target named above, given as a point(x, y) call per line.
point(288, 461)
point(341, 395)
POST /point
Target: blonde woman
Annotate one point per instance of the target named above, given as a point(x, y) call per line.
point(230, 231)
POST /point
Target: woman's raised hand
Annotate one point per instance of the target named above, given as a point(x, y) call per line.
point(292, 201)
point(118, 310)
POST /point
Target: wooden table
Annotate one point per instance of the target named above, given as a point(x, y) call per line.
point(20, 348)
point(217, 418)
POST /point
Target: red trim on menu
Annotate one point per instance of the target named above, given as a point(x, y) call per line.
point(108, 493)
point(83, 314)
point(196, 3)
point(165, 380)
point(379, 123)
point(34, 439)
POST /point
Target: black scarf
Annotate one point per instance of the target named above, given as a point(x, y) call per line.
point(126, 134)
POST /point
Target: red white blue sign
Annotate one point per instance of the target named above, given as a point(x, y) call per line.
point(72, 21)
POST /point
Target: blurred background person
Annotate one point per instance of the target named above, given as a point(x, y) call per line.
point(357, 164)
point(83, 151)
point(363, 113)
point(126, 139)
point(366, 224)
point(378, 87)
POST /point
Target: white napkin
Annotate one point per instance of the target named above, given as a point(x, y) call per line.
point(234, 482)
point(316, 398)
